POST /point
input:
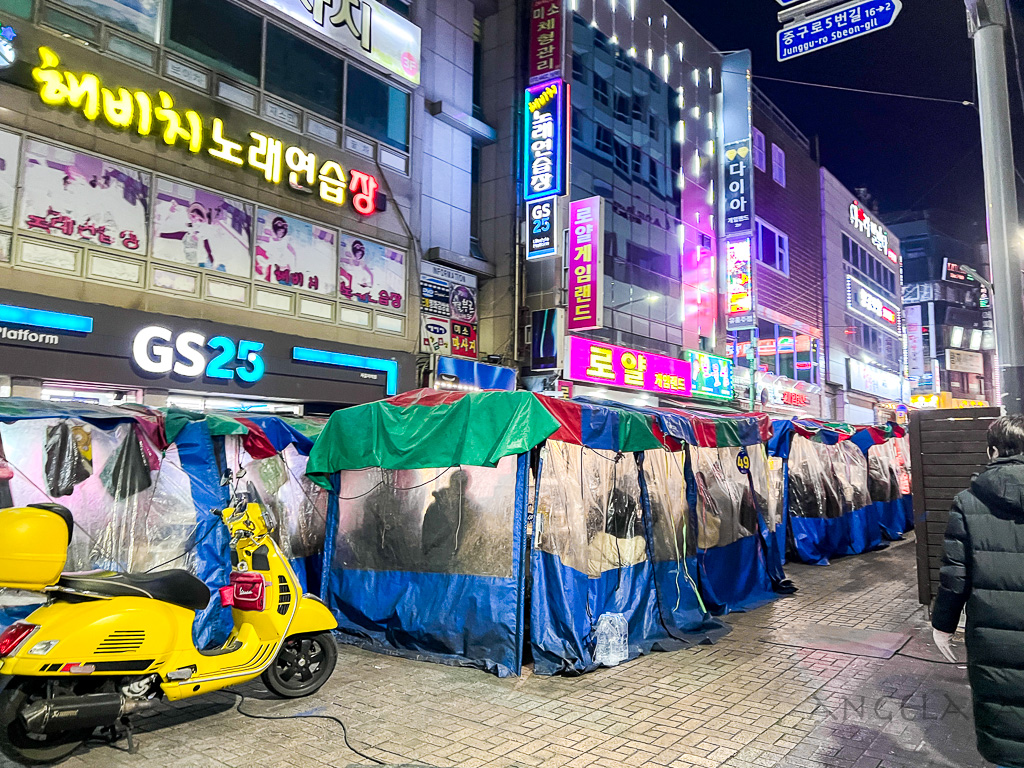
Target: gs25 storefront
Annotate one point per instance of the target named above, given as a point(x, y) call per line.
point(52, 345)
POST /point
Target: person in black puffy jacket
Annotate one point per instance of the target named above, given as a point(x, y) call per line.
point(983, 570)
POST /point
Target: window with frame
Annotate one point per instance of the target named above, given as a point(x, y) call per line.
point(578, 70)
point(602, 91)
point(577, 125)
point(377, 109)
point(772, 248)
point(601, 42)
point(652, 127)
point(622, 62)
point(622, 107)
point(639, 106)
point(760, 161)
point(778, 165)
point(637, 164)
point(603, 139)
point(621, 156)
point(287, 65)
point(220, 34)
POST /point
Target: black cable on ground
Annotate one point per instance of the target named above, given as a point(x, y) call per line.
point(344, 730)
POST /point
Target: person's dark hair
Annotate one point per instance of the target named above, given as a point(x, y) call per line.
point(1006, 435)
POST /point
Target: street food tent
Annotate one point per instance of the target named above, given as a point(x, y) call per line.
point(734, 514)
point(887, 449)
point(143, 485)
point(841, 488)
point(426, 544)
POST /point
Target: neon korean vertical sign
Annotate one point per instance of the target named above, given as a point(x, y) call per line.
point(544, 145)
point(586, 265)
point(739, 286)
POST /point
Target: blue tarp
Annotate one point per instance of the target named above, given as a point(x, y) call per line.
point(452, 618)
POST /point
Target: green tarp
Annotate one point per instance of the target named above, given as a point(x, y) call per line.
point(477, 430)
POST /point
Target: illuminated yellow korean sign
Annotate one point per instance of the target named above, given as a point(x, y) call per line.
point(144, 113)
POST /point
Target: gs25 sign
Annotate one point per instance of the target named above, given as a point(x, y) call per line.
point(190, 355)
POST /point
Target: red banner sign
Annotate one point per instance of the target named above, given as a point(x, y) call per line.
point(545, 40)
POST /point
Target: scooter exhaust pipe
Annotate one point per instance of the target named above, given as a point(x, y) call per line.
point(68, 713)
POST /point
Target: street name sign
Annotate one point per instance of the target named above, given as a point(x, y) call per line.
point(846, 22)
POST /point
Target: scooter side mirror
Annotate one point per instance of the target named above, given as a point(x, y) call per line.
point(226, 478)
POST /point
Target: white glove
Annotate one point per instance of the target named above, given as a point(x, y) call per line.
point(943, 642)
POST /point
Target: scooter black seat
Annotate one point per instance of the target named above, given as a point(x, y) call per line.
point(173, 586)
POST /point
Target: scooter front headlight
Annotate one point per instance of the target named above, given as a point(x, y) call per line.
point(43, 648)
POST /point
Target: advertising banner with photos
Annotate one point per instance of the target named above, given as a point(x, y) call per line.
point(365, 27)
point(448, 311)
point(84, 198)
point(139, 16)
point(198, 228)
point(739, 286)
point(10, 149)
point(295, 252)
point(371, 273)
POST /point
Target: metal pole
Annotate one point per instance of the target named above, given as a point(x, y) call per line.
point(987, 23)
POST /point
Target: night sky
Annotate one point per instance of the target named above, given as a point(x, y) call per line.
point(907, 153)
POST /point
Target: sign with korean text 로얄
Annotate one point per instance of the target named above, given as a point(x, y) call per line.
point(739, 188)
point(545, 40)
point(739, 286)
point(365, 27)
point(542, 228)
point(155, 116)
point(544, 140)
point(586, 264)
point(448, 311)
point(710, 376)
point(595, 362)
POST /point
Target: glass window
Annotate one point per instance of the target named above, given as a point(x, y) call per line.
point(760, 161)
point(377, 109)
point(778, 165)
point(621, 156)
point(773, 248)
point(577, 67)
point(622, 106)
point(577, 125)
point(652, 127)
point(601, 42)
point(219, 34)
point(601, 90)
point(288, 68)
point(603, 139)
point(637, 161)
point(639, 106)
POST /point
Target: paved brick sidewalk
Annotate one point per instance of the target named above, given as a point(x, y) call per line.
point(743, 703)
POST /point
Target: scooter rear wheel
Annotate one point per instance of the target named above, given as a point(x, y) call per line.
point(302, 666)
point(30, 748)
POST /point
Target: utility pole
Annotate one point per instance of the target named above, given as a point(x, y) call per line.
point(987, 22)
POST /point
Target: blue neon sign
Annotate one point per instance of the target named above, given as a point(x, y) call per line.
point(41, 318)
point(342, 360)
point(544, 141)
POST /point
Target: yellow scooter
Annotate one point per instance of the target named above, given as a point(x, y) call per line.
point(108, 645)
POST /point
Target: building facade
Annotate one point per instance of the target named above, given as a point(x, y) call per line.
point(865, 356)
point(258, 170)
point(785, 351)
point(950, 340)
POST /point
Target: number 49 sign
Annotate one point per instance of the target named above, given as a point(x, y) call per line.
point(743, 462)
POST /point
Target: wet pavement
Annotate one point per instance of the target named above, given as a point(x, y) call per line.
point(746, 702)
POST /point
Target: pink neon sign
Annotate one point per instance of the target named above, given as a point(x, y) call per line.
point(606, 364)
point(586, 265)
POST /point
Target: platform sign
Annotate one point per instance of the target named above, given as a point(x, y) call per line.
point(839, 25)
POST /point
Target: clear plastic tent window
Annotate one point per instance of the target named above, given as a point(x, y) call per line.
point(826, 481)
point(128, 516)
point(589, 508)
point(297, 503)
point(886, 473)
point(455, 520)
point(728, 501)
